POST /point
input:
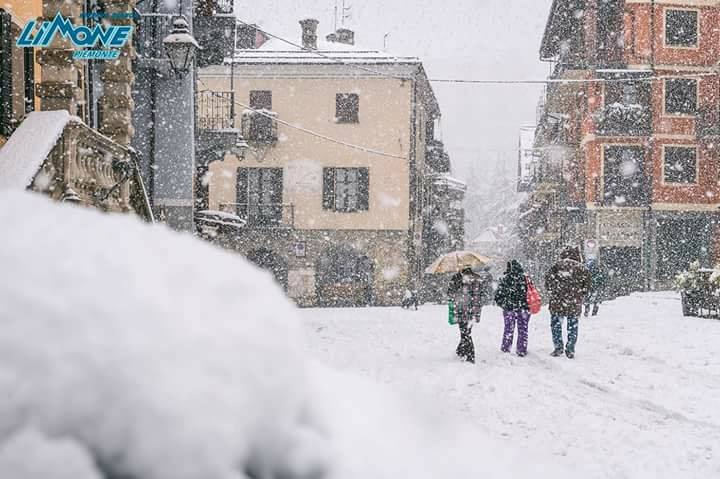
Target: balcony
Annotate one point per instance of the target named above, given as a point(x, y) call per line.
point(708, 122)
point(260, 126)
point(150, 29)
point(262, 216)
point(215, 110)
point(436, 157)
point(209, 8)
point(617, 119)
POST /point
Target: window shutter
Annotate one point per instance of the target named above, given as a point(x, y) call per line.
point(363, 189)
point(6, 115)
point(328, 191)
point(242, 192)
point(29, 60)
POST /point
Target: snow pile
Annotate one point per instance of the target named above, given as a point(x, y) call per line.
point(161, 357)
point(30, 455)
point(24, 153)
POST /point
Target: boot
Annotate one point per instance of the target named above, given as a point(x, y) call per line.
point(557, 353)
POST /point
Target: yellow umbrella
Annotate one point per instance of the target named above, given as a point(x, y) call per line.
point(457, 261)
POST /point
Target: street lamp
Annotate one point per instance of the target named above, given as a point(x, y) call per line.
point(180, 47)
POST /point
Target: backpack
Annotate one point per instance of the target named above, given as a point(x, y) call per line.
point(533, 297)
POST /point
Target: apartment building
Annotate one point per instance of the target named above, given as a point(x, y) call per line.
point(627, 148)
point(332, 194)
point(18, 69)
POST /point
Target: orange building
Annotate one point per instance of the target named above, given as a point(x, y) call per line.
point(630, 152)
point(19, 71)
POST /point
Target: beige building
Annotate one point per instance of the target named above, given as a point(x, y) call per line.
point(330, 194)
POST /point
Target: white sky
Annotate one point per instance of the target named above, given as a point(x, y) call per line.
point(478, 39)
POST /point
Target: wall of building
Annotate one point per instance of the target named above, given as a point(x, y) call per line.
point(385, 110)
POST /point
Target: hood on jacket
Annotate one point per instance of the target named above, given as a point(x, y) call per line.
point(514, 268)
point(571, 252)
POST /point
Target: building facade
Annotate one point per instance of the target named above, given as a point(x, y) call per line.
point(80, 156)
point(19, 72)
point(331, 195)
point(627, 157)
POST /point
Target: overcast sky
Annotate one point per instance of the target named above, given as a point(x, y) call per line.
point(474, 39)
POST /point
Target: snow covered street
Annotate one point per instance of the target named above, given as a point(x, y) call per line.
point(640, 400)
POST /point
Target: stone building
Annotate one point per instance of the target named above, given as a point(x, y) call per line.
point(331, 194)
point(67, 150)
point(628, 158)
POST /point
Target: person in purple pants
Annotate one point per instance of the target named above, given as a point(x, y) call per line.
point(511, 296)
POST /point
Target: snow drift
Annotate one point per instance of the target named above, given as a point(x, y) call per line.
point(128, 350)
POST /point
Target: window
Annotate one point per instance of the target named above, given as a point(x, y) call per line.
point(681, 96)
point(261, 99)
point(681, 28)
point(347, 107)
point(346, 189)
point(624, 181)
point(680, 164)
point(260, 195)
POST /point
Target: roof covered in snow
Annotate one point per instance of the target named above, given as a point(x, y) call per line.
point(29, 146)
point(277, 51)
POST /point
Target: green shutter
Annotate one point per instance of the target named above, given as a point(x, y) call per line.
point(242, 192)
point(328, 190)
point(6, 115)
point(29, 74)
point(363, 189)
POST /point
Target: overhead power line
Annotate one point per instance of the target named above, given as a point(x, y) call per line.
point(488, 81)
point(307, 131)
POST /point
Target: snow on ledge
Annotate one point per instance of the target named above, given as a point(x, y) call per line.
point(29, 146)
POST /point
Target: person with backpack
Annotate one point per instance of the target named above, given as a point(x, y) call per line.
point(468, 292)
point(568, 283)
point(598, 279)
point(512, 297)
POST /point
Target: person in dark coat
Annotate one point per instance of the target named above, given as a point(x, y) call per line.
point(511, 296)
point(568, 283)
point(595, 296)
point(470, 292)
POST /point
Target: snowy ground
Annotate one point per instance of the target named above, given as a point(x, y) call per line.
point(640, 400)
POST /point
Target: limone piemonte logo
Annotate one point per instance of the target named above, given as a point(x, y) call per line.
point(99, 42)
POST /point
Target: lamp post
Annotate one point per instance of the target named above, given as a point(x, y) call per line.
point(181, 47)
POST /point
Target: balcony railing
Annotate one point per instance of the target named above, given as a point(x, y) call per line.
point(150, 29)
point(436, 156)
point(260, 216)
point(208, 8)
point(216, 110)
point(624, 120)
point(260, 126)
point(708, 122)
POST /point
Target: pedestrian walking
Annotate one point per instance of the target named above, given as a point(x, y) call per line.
point(568, 283)
point(598, 280)
point(469, 292)
point(512, 297)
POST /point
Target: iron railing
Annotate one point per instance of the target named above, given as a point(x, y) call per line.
point(259, 216)
point(207, 8)
point(150, 29)
point(260, 126)
point(216, 110)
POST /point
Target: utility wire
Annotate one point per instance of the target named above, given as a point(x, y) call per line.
point(484, 82)
point(305, 130)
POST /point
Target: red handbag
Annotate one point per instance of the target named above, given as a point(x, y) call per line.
point(533, 297)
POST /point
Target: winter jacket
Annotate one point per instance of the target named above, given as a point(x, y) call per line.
point(511, 294)
point(470, 292)
point(567, 282)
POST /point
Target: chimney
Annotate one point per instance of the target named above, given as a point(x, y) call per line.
point(343, 35)
point(309, 33)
